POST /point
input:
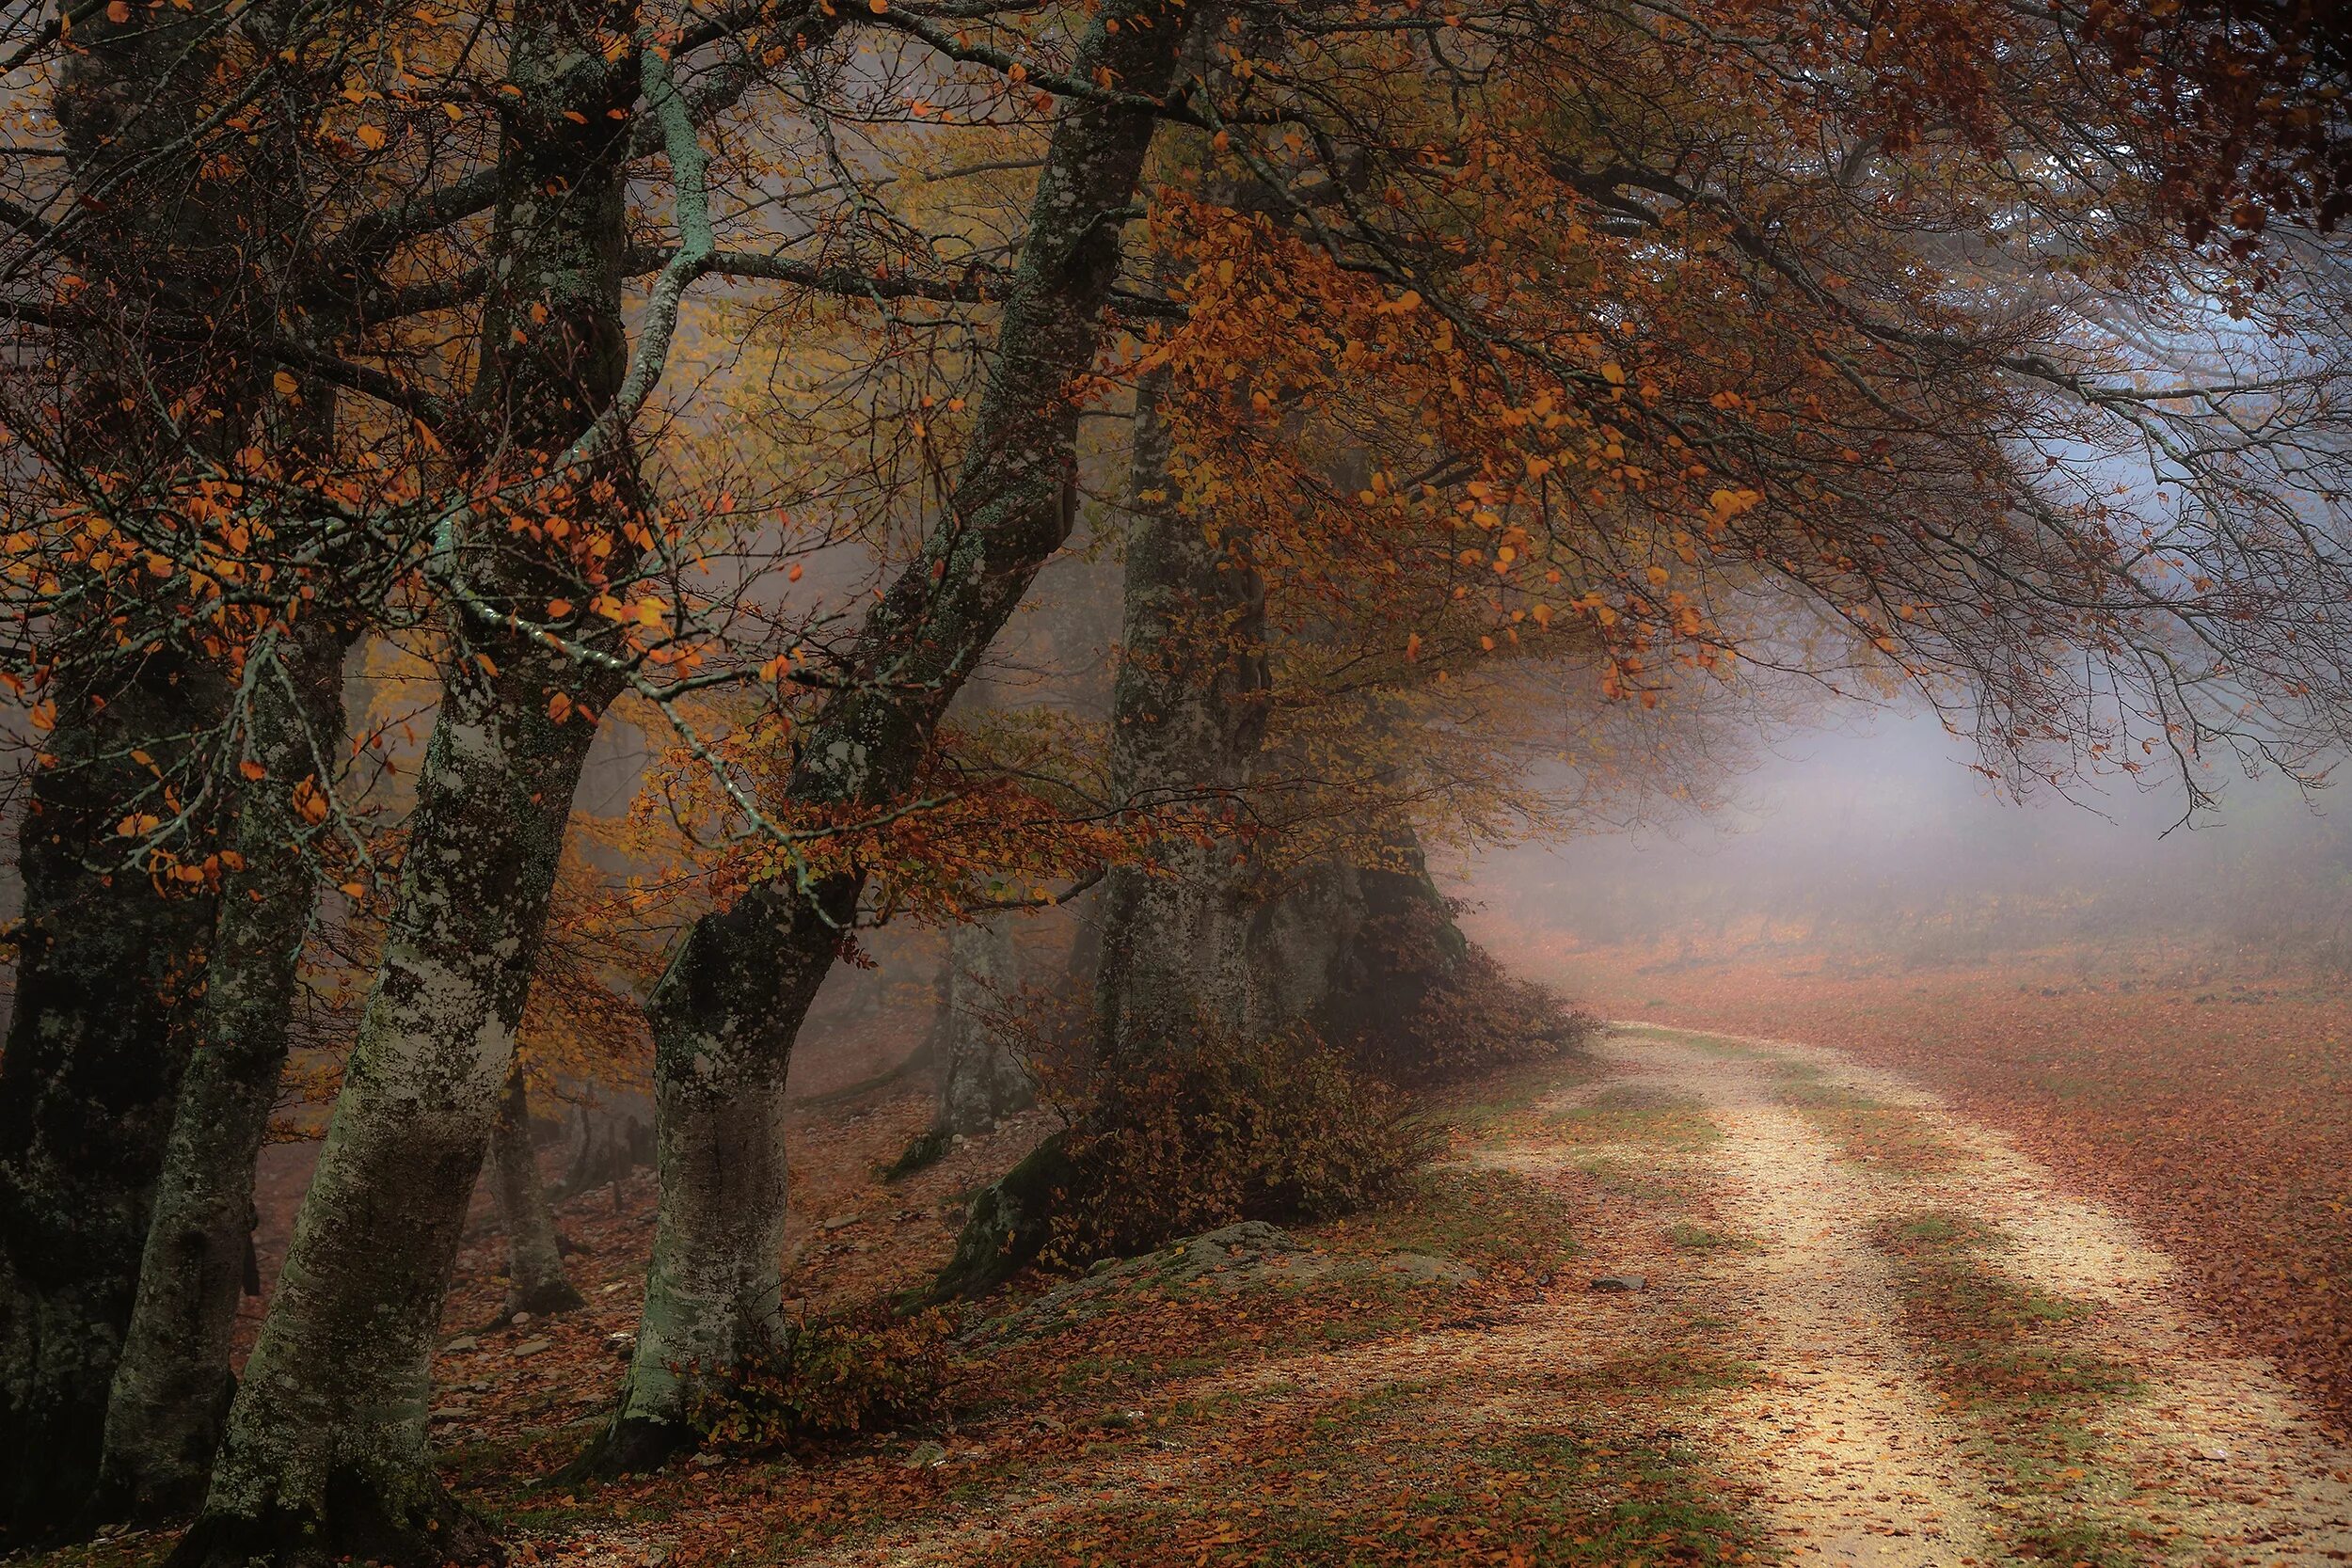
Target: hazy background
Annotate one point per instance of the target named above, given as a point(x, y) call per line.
point(1870, 837)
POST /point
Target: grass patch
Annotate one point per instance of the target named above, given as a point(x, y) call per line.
point(1510, 1226)
point(1631, 1115)
point(1866, 1131)
point(1374, 1490)
point(1505, 1105)
point(2005, 1353)
point(1692, 1237)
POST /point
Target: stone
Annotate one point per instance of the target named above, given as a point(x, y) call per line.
point(927, 1456)
point(1618, 1284)
point(843, 1223)
point(464, 1341)
point(533, 1347)
point(520, 1319)
point(450, 1412)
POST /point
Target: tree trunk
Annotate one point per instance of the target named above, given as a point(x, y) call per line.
point(92, 1063)
point(982, 1078)
point(536, 1281)
point(171, 1389)
point(106, 961)
point(1188, 721)
point(325, 1453)
point(726, 1012)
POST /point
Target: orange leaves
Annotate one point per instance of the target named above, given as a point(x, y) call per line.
point(253, 772)
point(310, 802)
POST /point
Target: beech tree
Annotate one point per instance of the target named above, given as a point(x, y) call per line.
point(1484, 370)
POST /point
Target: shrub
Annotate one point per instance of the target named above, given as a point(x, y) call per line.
point(1436, 1007)
point(825, 1379)
point(1278, 1128)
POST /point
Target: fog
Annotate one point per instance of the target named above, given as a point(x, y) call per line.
point(1869, 834)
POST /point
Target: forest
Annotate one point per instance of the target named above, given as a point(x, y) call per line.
point(917, 782)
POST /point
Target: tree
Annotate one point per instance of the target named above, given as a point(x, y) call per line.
point(535, 1282)
point(725, 1010)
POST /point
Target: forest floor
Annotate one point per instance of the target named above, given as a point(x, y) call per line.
point(1868, 1329)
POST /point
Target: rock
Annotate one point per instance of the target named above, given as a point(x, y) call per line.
point(1619, 1283)
point(708, 1460)
point(464, 1341)
point(620, 1345)
point(532, 1347)
point(450, 1412)
point(520, 1319)
point(842, 1223)
point(927, 1456)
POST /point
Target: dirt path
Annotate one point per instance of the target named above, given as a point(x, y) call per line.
point(1860, 1460)
point(1846, 1435)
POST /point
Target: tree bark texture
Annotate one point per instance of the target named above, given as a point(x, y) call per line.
point(1187, 722)
point(171, 1388)
point(325, 1453)
point(725, 1011)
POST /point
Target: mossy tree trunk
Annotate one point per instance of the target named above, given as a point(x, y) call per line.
point(325, 1453)
point(171, 1388)
point(726, 1011)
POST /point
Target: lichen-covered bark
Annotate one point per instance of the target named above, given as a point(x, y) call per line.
point(93, 1056)
point(171, 1388)
point(1188, 721)
point(725, 1011)
point(536, 1281)
point(325, 1452)
point(982, 1078)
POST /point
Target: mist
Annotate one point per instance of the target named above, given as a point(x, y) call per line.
point(1869, 837)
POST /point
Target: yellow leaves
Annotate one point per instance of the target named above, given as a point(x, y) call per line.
point(651, 611)
point(1657, 576)
point(43, 716)
point(139, 824)
point(1613, 374)
point(371, 137)
point(457, 115)
point(310, 801)
point(354, 890)
point(1541, 614)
